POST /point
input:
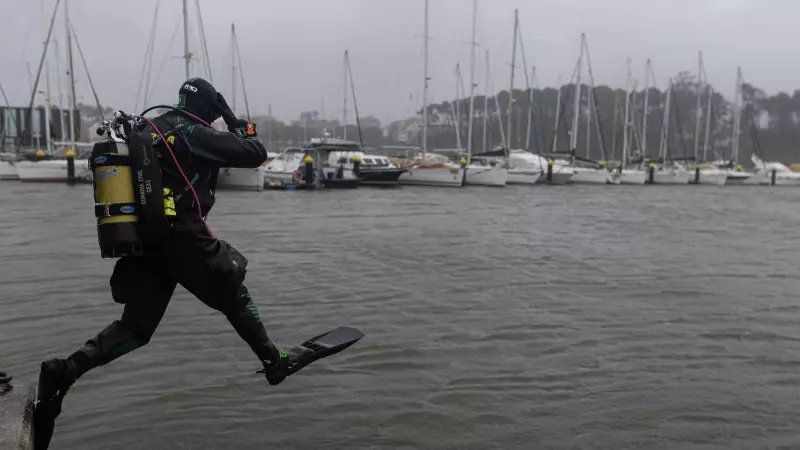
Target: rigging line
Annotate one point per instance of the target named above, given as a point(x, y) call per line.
point(596, 109)
point(529, 87)
point(3, 92)
point(147, 85)
point(202, 31)
point(147, 56)
point(241, 74)
point(355, 102)
point(175, 30)
point(86, 69)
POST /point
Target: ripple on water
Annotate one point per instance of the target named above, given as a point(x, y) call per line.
point(548, 318)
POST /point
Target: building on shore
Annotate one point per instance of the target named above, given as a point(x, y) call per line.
point(23, 128)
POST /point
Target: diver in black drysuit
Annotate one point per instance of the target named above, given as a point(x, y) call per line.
point(188, 254)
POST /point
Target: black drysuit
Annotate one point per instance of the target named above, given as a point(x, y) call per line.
point(188, 254)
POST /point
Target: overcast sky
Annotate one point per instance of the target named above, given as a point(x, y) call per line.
point(292, 51)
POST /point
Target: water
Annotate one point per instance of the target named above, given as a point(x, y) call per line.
point(545, 317)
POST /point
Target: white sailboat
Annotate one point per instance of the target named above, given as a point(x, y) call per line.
point(704, 173)
point(737, 176)
point(482, 172)
point(773, 173)
point(238, 178)
point(628, 175)
point(667, 172)
point(424, 168)
point(56, 170)
point(587, 175)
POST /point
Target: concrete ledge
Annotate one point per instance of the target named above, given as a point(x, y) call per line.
point(16, 417)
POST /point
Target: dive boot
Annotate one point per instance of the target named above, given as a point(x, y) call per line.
point(55, 379)
point(277, 370)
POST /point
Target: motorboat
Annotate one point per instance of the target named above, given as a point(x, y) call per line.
point(328, 171)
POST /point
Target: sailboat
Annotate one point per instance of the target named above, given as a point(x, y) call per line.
point(56, 170)
point(8, 161)
point(736, 175)
point(668, 172)
point(426, 168)
point(482, 171)
point(629, 175)
point(237, 178)
point(591, 172)
point(704, 172)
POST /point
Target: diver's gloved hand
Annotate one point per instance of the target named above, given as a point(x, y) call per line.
point(239, 127)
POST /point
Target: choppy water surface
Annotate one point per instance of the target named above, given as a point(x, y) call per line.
point(561, 317)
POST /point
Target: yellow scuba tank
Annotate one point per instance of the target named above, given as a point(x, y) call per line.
point(128, 193)
point(115, 202)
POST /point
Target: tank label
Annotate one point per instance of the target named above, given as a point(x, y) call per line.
point(104, 174)
point(127, 209)
point(100, 159)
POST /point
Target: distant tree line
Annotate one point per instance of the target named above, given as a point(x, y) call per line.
point(770, 125)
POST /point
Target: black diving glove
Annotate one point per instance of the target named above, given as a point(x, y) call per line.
point(240, 127)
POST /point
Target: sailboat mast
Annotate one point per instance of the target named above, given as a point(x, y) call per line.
point(472, 45)
point(698, 110)
point(558, 114)
point(511, 87)
point(665, 126)
point(576, 106)
point(269, 128)
point(425, 87)
point(708, 123)
point(47, 110)
point(233, 71)
point(530, 107)
point(627, 115)
point(737, 117)
point(344, 109)
point(647, 71)
point(241, 71)
point(456, 109)
point(60, 83)
point(73, 104)
point(186, 55)
point(485, 101)
point(589, 123)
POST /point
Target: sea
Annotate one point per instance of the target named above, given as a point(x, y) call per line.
point(543, 317)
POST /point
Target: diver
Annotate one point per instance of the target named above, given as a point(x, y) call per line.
point(187, 253)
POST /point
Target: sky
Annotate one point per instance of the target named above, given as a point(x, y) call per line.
point(292, 51)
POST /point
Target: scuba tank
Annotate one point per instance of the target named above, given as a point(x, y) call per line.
point(128, 191)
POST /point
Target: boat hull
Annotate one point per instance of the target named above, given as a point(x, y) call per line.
point(671, 177)
point(738, 178)
point(54, 170)
point(523, 177)
point(433, 177)
point(380, 177)
point(713, 178)
point(8, 171)
point(241, 179)
point(633, 177)
point(591, 176)
point(486, 176)
point(558, 178)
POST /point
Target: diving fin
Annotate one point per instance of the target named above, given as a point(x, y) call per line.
point(321, 346)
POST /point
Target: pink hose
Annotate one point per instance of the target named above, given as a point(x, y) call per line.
point(185, 178)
